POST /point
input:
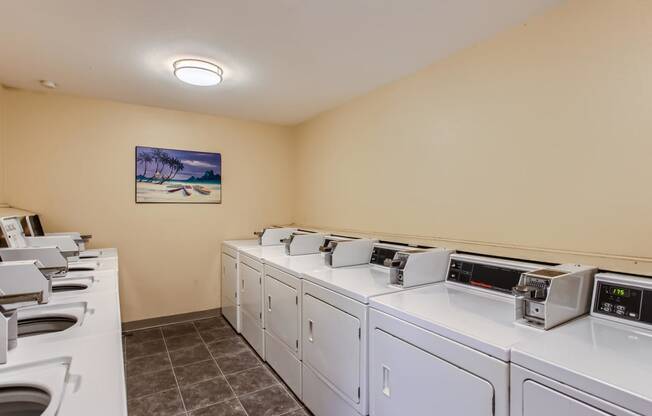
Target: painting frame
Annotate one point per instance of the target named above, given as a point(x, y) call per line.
point(178, 180)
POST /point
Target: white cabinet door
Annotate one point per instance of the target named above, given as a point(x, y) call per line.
point(229, 278)
point(405, 380)
point(282, 312)
point(331, 345)
point(251, 295)
point(539, 400)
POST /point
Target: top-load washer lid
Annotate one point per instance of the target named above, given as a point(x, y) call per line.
point(297, 265)
point(356, 282)
point(608, 360)
point(608, 354)
point(260, 253)
point(482, 321)
point(241, 244)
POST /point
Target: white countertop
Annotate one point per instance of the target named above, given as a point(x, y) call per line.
point(94, 384)
point(481, 321)
point(97, 313)
point(90, 352)
point(98, 281)
point(610, 360)
point(357, 282)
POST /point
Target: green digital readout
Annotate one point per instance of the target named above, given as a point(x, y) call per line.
point(620, 292)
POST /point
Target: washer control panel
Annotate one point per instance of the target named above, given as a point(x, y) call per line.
point(623, 301)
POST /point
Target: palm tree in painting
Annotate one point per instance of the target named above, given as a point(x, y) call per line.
point(144, 159)
point(166, 167)
point(159, 158)
point(175, 166)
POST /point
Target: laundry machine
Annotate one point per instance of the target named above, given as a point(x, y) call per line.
point(334, 321)
point(229, 294)
point(594, 366)
point(447, 346)
point(251, 273)
point(283, 301)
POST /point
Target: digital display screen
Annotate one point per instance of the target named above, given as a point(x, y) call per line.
point(620, 292)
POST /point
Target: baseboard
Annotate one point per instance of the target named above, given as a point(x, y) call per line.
point(167, 320)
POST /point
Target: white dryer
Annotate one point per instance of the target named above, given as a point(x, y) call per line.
point(334, 326)
point(447, 346)
point(594, 366)
point(229, 279)
point(282, 312)
point(230, 257)
point(251, 273)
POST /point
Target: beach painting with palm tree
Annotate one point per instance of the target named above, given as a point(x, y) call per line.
point(178, 176)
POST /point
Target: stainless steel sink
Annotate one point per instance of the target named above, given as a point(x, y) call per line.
point(23, 401)
point(46, 324)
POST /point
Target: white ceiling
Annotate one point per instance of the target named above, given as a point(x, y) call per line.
point(284, 60)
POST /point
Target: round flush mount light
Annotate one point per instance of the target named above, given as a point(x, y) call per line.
point(48, 84)
point(197, 72)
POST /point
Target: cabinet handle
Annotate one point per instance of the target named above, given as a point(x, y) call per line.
point(386, 390)
point(269, 303)
point(311, 338)
point(242, 283)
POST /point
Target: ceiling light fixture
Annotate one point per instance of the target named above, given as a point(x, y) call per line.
point(48, 84)
point(197, 72)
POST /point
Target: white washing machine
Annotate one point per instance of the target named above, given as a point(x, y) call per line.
point(445, 348)
point(334, 329)
point(282, 312)
point(594, 366)
point(230, 257)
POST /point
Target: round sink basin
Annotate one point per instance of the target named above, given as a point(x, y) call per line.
point(23, 401)
point(71, 287)
point(30, 327)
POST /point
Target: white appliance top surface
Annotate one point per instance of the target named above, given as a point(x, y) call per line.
point(478, 320)
point(96, 385)
point(296, 265)
point(241, 244)
point(261, 253)
point(607, 359)
point(357, 282)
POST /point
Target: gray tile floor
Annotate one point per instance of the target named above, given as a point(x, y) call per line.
point(201, 368)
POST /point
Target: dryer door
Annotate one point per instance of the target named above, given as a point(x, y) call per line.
point(229, 289)
point(539, 400)
point(229, 278)
point(282, 312)
point(331, 345)
point(251, 292)
point(405, 380)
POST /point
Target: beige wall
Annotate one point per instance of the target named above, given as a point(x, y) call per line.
point(538, 139)
point(534, 144)
point(72, 160)
point(2, 141)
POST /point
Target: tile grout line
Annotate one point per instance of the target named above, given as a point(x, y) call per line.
point(222, 372)
point(174, 374)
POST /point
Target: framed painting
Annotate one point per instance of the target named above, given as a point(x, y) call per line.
point(178, 176)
